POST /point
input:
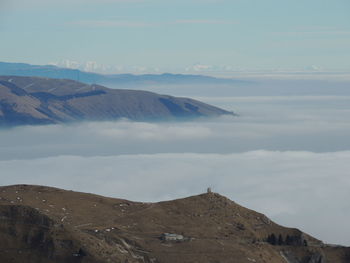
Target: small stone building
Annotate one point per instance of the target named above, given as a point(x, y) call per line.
point(171, 237)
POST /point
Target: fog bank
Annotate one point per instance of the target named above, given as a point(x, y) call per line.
point(297, 189)
point(285, 156)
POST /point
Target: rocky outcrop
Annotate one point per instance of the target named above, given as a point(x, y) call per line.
point(31, 236)
point(317, 258)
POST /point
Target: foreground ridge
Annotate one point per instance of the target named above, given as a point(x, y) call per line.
point(43, 224)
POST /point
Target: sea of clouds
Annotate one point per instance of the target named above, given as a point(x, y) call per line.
point(285, 156)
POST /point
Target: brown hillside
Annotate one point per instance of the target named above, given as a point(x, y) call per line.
point(42, 224)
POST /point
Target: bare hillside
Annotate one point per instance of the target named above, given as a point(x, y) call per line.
point(32, 100)
point(42, 224)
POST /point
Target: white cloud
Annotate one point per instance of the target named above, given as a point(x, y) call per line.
point(330, 32)
point(204, 21)
point(299, 189)
point(153, 132)
point(199, 67)
point(311, 123)
point(136, 24)
point(111, 23)
point(300, 178)
point(93, 66)
point(12, 5)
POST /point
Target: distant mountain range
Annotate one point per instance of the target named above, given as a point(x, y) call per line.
point(34, 100)
point(49, 71)
point(48, 225)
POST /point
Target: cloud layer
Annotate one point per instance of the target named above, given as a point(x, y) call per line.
point(287, 157)
point(298, 189)
point(311, 123)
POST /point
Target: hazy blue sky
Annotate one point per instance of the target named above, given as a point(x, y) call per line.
point(175, 35)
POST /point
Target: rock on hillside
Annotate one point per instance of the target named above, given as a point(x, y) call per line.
point(42, 224)
point(32, 100)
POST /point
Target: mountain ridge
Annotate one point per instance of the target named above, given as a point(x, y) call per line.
point(50, 71)
point(67, 226)
point(35, 100)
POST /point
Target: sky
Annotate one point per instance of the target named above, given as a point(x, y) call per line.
point(178, 36)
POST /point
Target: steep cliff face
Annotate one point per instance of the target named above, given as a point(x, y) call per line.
point(30, 236)
point(41, 224)
point(29, 100)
